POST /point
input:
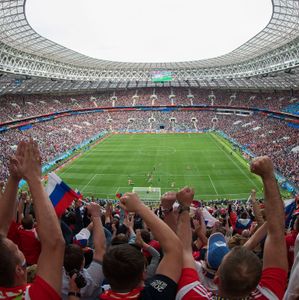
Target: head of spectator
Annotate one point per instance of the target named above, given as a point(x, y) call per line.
point(244, 215)
point(246, 233)
point(12, 264)
point(217, 249)
point(116, 219)
point(146, 236)
point(236, 240)
point(123, 267)
point(73, 258)
point(28, 222)
point(239, 273)
point(120, 238)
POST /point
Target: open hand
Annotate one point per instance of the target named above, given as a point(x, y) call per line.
point(27, 161)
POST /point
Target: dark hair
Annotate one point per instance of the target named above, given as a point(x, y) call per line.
point(146, 236)
point(121, 238)
point(8, 262)
point(73, 258)
point(244, 215)
point(123, 266)
point(239, 273)
point(27, 222)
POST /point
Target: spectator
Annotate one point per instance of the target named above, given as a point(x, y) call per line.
point(47, 284)
point(74, 259)
point(123, 265)
point(241, 271)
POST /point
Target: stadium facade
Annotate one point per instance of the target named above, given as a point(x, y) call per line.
point(30, 63)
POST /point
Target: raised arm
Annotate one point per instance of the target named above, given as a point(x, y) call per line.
point(257, 237)
point(167, 201)
point(9, 196)
point(129, 223)
point(256, 209)
point(184, 232)
point(275, 251)
point(152, 267)
point(171, 263)
point(99, 240)
point(50, 261)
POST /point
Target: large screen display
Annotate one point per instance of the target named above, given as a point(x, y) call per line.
point(161, 76)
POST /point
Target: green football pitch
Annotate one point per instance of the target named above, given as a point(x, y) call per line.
point(166, 161)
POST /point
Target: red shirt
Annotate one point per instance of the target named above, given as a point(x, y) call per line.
point(29, 244)
point(290, 241)
point(271, 286)
point(155, 244)
point(38, 290)
point(13, 232)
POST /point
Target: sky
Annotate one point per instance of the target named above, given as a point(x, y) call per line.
point(149, 31)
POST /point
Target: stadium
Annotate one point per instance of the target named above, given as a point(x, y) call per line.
point(106, 127)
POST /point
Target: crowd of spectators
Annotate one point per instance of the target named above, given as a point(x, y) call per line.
point(260, 135)
point(18, 107)
point(181, 249)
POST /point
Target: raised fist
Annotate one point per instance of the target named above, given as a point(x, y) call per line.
point(130, 202)
point(94, 209)
point(185, 196)
point(262, 166)
point(168, 199)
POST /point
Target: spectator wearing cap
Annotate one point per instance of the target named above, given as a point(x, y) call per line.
point(240, 274)
point(216, 250)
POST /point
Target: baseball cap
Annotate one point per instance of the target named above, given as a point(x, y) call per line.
point(82, 237)
point(217, 249)
point(116, 216)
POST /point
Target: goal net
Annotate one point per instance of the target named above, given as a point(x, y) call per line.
point(149, 195)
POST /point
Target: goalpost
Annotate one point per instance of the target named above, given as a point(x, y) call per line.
point(149, 195)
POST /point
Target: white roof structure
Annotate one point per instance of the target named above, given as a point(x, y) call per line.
point(274, 50)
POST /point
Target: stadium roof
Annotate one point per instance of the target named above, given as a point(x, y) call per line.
point(16, 32)
point(25, 52)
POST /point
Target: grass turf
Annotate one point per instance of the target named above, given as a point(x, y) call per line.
point(203, 161)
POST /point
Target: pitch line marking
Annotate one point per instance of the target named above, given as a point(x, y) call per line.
point(238, 196)
point(235, 164)
point(213, 184)
point(92, 178)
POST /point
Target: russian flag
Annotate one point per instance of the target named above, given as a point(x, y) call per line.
point(209, 219)
point(60, 194)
